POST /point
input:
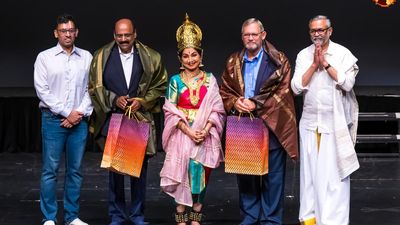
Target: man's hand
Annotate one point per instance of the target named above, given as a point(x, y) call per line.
point(306, 78)
point(135, 104)
point(317, 56)
point(74, 117)
point(322, 62)
point(65, 123)
point(250, 104)
point(122, 102)
point(244, 105)
point(320, 58)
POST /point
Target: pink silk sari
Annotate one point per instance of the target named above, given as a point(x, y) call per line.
point(180, 148)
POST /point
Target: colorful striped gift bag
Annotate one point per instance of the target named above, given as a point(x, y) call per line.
point(246, 149)
point(126, 144)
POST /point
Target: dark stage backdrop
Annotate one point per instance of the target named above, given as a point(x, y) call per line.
point(369, 31)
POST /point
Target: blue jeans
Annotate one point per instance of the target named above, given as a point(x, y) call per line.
point(56, 140)
point(261, 197)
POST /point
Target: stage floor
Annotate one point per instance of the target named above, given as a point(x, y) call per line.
point(375, 193)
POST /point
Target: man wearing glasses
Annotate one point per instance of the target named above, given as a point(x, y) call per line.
point(257, 80)
point(61, 83)
point(126, 72)
point(325, 73)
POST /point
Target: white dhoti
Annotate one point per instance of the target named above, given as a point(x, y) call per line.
point(324, 197)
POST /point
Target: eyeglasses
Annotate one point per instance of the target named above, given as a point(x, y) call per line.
point(247, 35)
point(120, 36)
point(65, 31)
point(319, 31)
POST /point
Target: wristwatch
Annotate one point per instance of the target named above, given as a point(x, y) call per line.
point(327, 67)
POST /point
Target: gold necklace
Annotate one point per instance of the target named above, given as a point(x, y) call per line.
point(194, 98)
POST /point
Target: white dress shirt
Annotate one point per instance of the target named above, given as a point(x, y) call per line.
point(318, 94)
point(61, 80)
point(127, 63)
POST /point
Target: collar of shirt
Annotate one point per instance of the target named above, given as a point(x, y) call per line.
point(59, 50)
point(126, 55)
point(255, 59)
point(331, 48)
point(251, 69)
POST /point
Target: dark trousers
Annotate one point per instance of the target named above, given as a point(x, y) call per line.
point(261, 197)
point(117, 205)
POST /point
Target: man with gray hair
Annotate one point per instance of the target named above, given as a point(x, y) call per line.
point(257, 80)
point(325, 73)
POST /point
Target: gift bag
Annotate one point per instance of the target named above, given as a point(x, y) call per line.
point(246, 150)
point(126, 144)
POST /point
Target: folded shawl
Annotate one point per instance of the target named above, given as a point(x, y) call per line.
point(345, 122)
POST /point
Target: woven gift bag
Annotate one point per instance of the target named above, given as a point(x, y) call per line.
point(246, 150)
point(126, 144)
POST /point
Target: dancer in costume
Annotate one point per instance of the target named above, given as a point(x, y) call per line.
point(194, 118)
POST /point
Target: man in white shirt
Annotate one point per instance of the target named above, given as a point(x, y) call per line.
point(325, 73)
point(61, 83)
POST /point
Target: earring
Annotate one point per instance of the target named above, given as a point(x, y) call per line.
point(201, 62)
point(182, 68)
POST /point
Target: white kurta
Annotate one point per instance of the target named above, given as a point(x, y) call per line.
point(324, 187)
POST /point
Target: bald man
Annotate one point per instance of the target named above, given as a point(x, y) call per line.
point(126, 72)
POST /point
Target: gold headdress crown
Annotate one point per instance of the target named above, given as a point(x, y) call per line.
point(188, 35)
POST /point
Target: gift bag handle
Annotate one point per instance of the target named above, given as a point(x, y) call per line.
point(130, 114)
point(252, 117)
